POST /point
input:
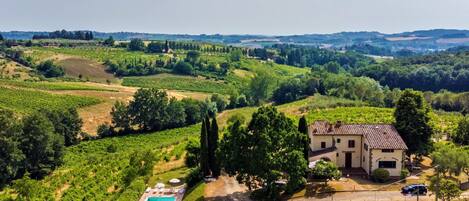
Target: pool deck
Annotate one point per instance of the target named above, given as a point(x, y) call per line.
point(177, 192)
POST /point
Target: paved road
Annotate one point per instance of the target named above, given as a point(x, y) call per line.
point(371, 196)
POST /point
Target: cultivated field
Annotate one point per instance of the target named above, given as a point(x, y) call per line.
point(25, 101)
point(177, 82)
point(86, 69)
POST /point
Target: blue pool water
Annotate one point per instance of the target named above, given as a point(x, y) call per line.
point(161, 199)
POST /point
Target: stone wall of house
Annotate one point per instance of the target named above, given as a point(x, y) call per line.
point(377, 155)
point(342, 148)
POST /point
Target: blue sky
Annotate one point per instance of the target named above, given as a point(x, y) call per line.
point(271, 17)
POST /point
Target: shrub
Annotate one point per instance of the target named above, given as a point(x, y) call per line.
point(194, 177)
point(111, 148)
point(104, 130)
point(380, 175)
point(404, 173)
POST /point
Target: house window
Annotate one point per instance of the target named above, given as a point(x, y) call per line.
point(338, 140)
point(387, 150)
point(337, 154)
point(363, 158)
point(323, 145)
point(387, 164)
point(351, 143)
point(365, 146)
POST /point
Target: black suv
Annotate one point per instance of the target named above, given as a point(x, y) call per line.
point(414, 189)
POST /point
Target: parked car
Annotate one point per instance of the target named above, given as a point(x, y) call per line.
point(414, 189)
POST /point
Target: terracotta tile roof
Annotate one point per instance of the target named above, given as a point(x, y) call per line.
point(377, 136)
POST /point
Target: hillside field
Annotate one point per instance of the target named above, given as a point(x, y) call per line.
point(25, 101)
point(90, 172)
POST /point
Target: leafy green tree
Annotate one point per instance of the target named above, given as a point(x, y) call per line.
point(221, 103)
point(42, 147)
point(155, 47)
point(259, 87)
point(303, 129)
point(213, 147)
point(1, 37)
point(66, 123)
point(193, 153)
point(236, 55)
point(109, 41)
point(413, 121)
point(242, 101)
point(11, 157)
point(27, 188)
point(326, 171)
point(193, 110)
point(462, 132)
point(333, 67)
point(148, 109)
point(136, 45)
point(176, 113)
point(49, 69)
point(193, 57)
point(120, 116)
point(449, 158)
point(288, 91)
point(184, 68)
point(273, 142)
point(204, 150)
point(447, 189)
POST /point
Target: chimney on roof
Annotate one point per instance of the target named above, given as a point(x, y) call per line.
point(329, 129)
point(338, 124)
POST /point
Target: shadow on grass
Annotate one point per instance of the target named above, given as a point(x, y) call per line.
point(193, 197)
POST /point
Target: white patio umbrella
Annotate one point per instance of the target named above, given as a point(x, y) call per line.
point(312, 164)
point(174, 181)
point(159, 185)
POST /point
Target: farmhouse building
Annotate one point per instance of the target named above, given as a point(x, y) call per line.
point(362, 147)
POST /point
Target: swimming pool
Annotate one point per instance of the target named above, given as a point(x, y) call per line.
point(161, 199)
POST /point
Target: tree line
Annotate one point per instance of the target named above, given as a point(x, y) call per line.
point(433, 72)
point(64, 34)
point(34, 144)
point(339, 85)
point(152, 110)
point(189, 64)
point(307, 56)
point(46, 68)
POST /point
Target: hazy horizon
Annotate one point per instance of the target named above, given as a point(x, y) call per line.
point(258, 17)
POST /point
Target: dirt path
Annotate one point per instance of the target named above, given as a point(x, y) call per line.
point(226, 189)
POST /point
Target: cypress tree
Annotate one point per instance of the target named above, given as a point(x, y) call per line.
point(303, 128)
point(213, 144)
point(204, 166)
point(1, 37)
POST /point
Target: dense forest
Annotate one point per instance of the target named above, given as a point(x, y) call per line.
point(432, 72)
point(307, 56)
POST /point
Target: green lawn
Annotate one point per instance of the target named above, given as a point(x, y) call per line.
point(25, 101)
point(196, 193)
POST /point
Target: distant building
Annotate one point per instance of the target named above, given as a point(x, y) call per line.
point(360, 147)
